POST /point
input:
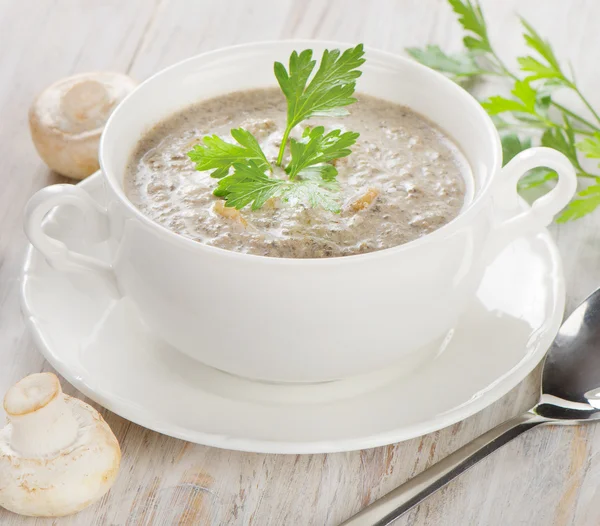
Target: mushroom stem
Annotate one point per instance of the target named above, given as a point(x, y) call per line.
point(57, 454)
point(42, 423)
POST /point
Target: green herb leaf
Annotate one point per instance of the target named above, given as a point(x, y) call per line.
point(590, 146)
point(539, 70)
point(586, 202)
point(219, 155)
point(550, 69)
point(531, 107)
point(563, 141)
point(459, 65)
point(250, 185)
point(330, 89)
point(327, 94)
point(315, 148)
point(511, 146)
point(526, 100)
point(315, 193)
point(535, 178)
point(544, 93)
point(537, 43)
point(294, 83)
point(471, 18)
point(311, 176)
point(499, 104)
point(325, 172)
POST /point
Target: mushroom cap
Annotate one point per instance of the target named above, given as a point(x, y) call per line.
point(66, 481)
point(31, 394)
point(67, 119)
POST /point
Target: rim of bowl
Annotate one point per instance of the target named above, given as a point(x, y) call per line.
point(442, 232)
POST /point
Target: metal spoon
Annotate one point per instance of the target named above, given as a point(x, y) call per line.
point(570, 395)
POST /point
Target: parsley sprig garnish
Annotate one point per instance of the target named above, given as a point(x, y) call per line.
point(246, 177)
point(327, 93)
point(530, 115)
point(218, 155)
point(315, 150)
point(248, 185)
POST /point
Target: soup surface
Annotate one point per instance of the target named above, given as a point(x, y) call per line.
point(404, 179)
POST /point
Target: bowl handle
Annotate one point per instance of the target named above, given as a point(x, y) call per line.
point(57, 254)
point(542, 211)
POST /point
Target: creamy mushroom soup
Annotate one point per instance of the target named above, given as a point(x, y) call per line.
point(404, 179)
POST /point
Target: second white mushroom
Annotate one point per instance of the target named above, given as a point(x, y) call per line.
point(57, 454)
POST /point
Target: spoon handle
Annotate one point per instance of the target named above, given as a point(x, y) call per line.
point(388, 508)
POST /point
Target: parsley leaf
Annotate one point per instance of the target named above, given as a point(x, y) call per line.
point(326, 94)
point(250, 185)
point(511, 146)
point(537, 43)
point(315, 193)
point(590, 146)
point(563, 141)
point(535, 178)
point(458, 66)
point(311, 176)
point(525, 103)
point(293, 84)
point(218, 155)
point(533, 105)
point(315, 149)
point(471, 18)
point(586, 202)
point(539, 70)
point(330, 89)
point(549, 70)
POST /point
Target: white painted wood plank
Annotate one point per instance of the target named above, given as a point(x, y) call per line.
point(549, 477)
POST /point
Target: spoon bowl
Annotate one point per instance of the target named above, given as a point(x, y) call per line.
point(570, 394)
point(571, 373)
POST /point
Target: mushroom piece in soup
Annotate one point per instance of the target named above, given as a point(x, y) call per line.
point(404, 179)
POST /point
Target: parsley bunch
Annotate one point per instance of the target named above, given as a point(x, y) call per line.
point(530, 115)
point(246, 175)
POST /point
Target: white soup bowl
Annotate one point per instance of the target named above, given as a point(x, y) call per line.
point(301, 320)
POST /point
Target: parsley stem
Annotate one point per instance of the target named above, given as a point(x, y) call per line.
point(583, 132)
point(586, 102)
point(459, 76)
point(541, 125)
point(560, 107)
point(551, 124)
point(284, 140)
point(576, 117)
point(503, 66)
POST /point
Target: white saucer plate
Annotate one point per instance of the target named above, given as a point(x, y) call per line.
point(101, 347)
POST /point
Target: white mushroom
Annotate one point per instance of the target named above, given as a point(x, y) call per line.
point(67, 119)
point(365, 200)
point(57, 454)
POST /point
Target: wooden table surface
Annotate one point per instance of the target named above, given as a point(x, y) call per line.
point(549, 477)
